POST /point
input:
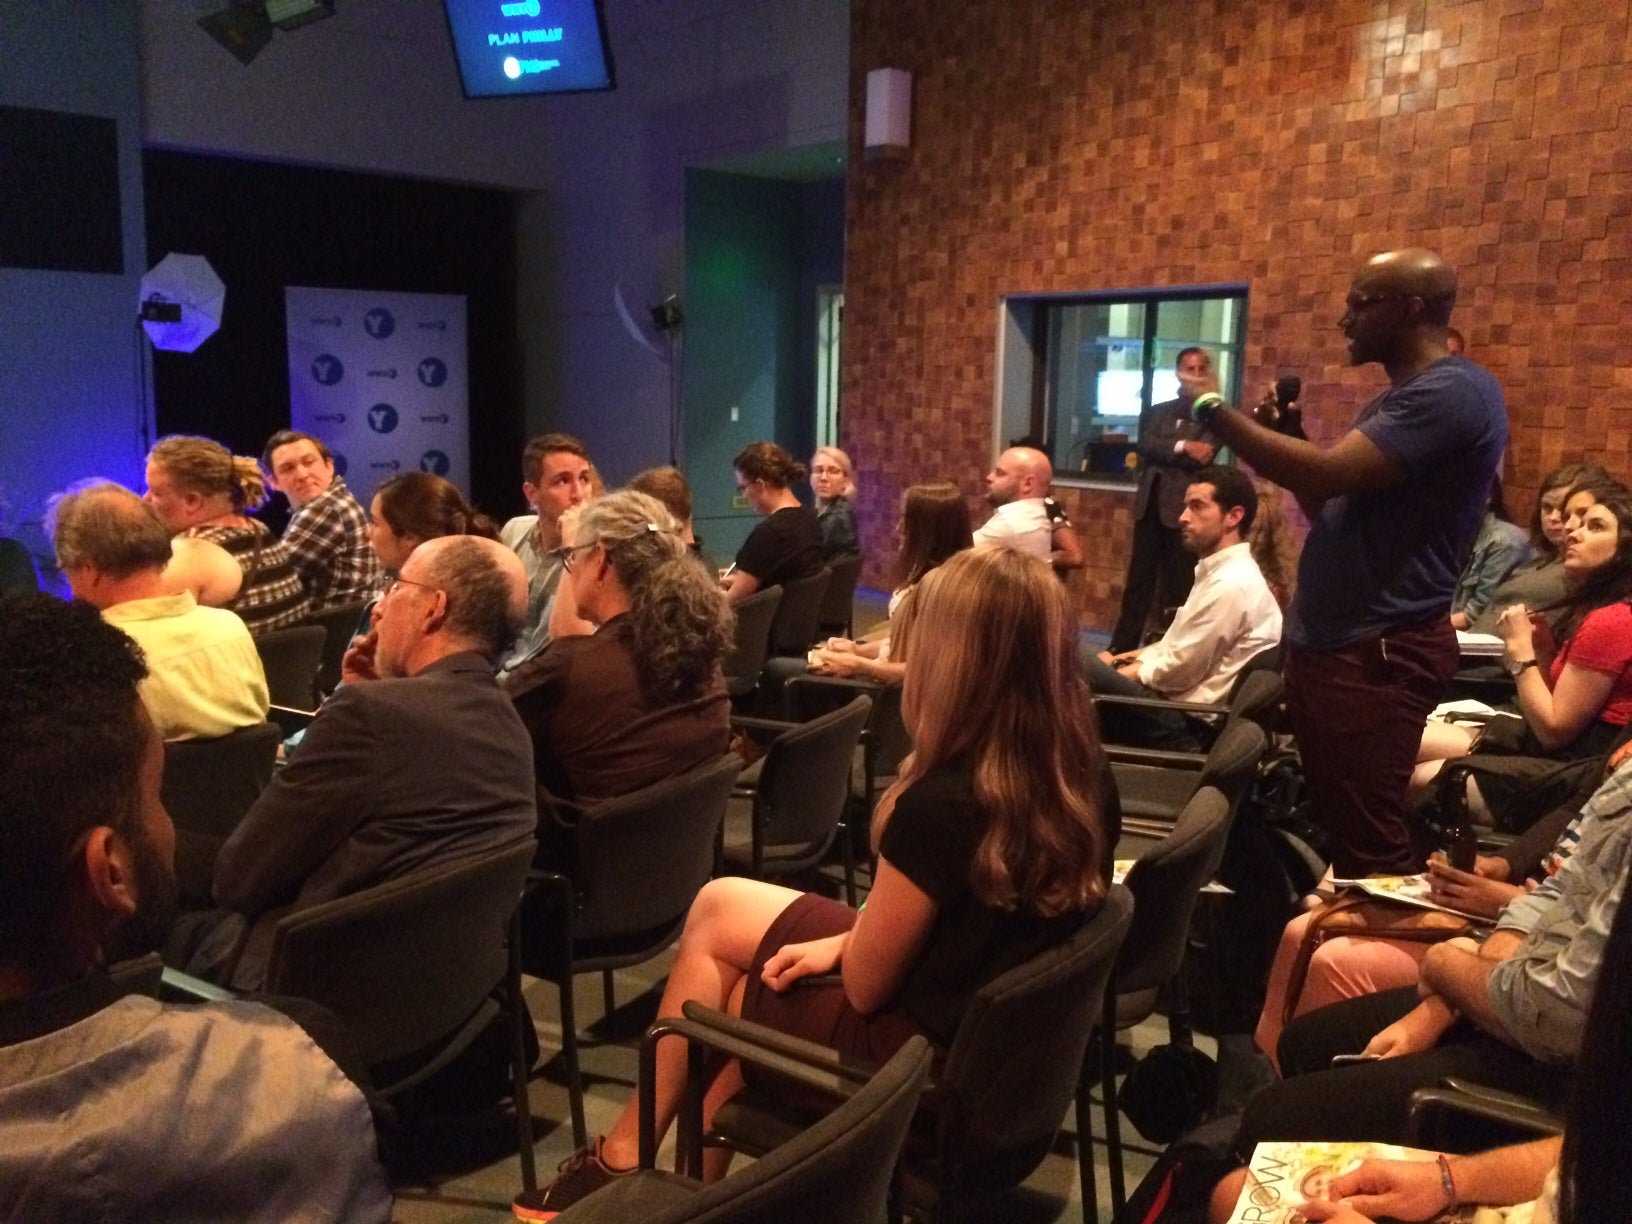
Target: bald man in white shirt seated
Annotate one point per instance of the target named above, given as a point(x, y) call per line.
point(1017, 487)
point(1229, 617)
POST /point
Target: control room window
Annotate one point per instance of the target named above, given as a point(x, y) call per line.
point(1104, 358)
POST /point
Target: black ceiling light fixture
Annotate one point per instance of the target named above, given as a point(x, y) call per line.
point(245, 27)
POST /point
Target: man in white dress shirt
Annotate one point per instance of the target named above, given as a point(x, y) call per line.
point(1229, 617)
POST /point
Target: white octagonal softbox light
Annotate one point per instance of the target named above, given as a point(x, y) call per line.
point(182, 300)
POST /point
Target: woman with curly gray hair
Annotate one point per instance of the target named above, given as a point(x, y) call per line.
point(641, 699)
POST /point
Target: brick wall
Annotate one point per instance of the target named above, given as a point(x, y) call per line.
point(1061, 146)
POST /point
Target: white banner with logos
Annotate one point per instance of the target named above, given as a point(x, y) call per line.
point(383, 379)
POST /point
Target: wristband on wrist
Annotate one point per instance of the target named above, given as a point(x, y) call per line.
point(1206, 407)
point(1446, 1180)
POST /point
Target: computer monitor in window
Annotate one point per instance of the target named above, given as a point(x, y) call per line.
point(510, 47)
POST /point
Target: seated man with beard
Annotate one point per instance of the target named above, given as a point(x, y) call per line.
point(112, 1104)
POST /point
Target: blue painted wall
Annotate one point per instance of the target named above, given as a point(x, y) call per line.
point(72, 386)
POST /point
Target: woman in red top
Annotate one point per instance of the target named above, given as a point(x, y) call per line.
point(1576, 700)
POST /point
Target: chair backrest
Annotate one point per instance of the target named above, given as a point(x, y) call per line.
point(1232, 761)
point(291, 659)
point(751, 641)
point(804, 783)
point(18, 573)
point(891, 743)
point(210, 783)
point(405, 963)
point(837, 1169)
point(839, 599)
point(794, 629)
point(1165, 883)
point(643, 857)
point(1258, 691)
point(339, 623)
point(1014, 1062)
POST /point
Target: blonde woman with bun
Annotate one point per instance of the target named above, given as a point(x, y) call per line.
point(203, 493)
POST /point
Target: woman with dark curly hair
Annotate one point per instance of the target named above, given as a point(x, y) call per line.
point(788, 544)
point(642, 698)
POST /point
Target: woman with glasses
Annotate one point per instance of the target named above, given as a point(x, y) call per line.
point(833, 479)
point(994, 844)
point(641, 699)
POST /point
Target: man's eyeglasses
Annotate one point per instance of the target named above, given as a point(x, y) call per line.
point(402, 582)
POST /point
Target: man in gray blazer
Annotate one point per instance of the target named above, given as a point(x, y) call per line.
point(418, 760)
point(1171, 446)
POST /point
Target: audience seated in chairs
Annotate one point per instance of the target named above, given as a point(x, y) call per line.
point(413, 507)
point(1499, 548)
point(1228, 619)
point(994, 844)
point(1580, 1179)
point(204, 677)
point(1346, 950)
point(419, 760)
point(788, 544)
point(203, 493)
point(556, 475)
point(642, 698)
point(1576, 698)
point(934, 526)
point(114, 1106)
point(1541, 581)
point(1506, 1013)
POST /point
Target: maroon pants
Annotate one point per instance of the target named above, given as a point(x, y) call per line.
point(1358, 714)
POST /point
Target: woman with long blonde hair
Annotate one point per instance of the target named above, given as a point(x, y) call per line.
point(994, 844)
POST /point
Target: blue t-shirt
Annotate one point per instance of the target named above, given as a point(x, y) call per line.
point(1391, 557)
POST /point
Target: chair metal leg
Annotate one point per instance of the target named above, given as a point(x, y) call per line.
point(1107, 1086)
point(1085, 1138)
point(569, 1055)
point(610, 1004)
point(849, 865)
point(518, 1057)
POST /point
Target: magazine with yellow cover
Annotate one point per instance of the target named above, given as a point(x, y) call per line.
point(1284, 1175)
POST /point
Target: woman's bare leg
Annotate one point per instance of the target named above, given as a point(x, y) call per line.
point(727, 1083)
point(723, 931)
point(1441, 742)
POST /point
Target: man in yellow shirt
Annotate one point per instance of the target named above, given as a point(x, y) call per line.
point(204, 674)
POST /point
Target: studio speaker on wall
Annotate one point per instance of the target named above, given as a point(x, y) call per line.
point(889, 113)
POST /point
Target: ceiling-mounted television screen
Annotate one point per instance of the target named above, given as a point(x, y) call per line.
point(509, 47)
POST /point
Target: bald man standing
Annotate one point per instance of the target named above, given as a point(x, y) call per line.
point(1393, 508)
point(1016, 487)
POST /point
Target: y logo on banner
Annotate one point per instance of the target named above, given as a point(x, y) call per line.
point(327, 369)
point(382, 418)
point(432, 372)
point(434, 462)
point(379, 323)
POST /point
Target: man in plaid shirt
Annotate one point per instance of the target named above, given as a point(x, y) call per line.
point(328, 533)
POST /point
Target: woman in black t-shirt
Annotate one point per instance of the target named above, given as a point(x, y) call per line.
point(788, 544)
point(994, 844)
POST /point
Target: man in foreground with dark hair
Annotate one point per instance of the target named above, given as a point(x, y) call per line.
point(1229, 617)
point(1393, 508)
point(418, 760)
point(113, 1105)
point(328, 531)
